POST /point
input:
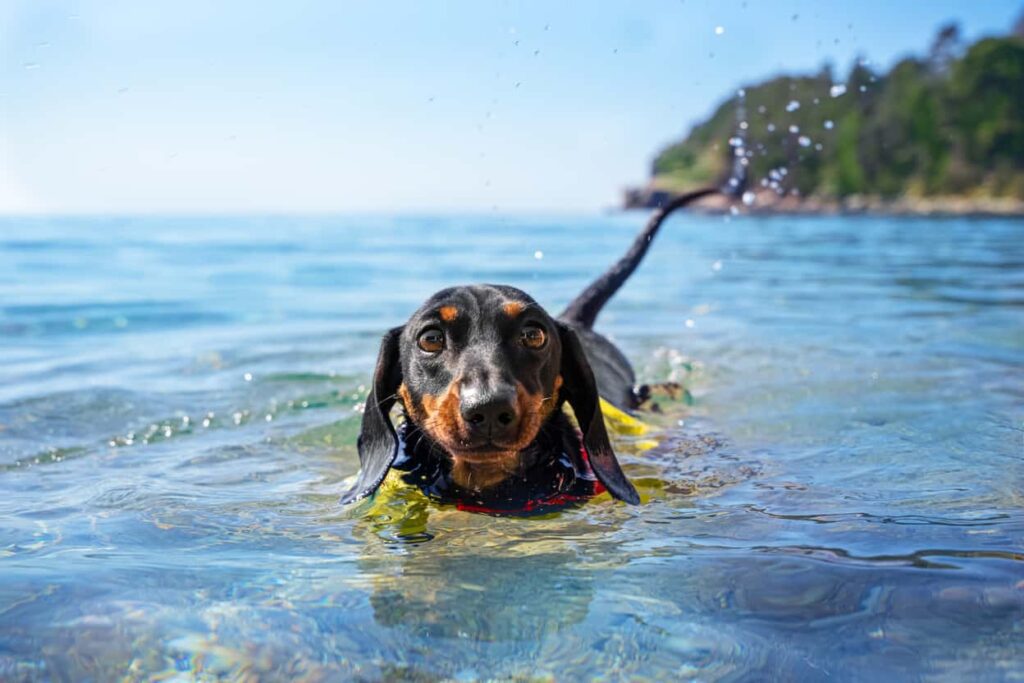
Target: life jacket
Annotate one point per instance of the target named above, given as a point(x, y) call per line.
point(567, 484)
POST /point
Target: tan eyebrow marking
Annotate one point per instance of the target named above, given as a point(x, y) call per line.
point(448, 313)
point(513, 308)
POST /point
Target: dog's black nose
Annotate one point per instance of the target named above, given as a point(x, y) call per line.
point(494, 416)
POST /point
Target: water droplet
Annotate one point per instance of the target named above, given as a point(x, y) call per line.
point(804, 141)
point(538, 254)
point(716, 266)
point(743, 125)
point(247, 377)
point(837, 90)
point(793, 105)
point(794, 128)
point(829, 125)
point(719, 30)
point(771, 127)
point(748, 199)
point(734, 211)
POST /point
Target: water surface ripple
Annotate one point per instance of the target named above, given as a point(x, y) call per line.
point(840, 498)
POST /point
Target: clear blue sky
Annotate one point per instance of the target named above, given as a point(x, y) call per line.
point(196, 106)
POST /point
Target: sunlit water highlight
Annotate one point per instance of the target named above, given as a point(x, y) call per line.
point(839, 499)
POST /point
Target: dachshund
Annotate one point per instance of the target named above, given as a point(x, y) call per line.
point(481, 373)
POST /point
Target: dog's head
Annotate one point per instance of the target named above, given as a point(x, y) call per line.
point(479, 370)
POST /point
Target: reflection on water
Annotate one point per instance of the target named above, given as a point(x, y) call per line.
point(837, 496)
point(540, 595)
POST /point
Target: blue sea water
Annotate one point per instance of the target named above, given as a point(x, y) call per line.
point(839, 498)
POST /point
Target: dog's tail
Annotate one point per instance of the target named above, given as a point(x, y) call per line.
point(584, 309)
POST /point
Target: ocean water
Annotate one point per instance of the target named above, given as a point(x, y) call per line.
point(838, 496)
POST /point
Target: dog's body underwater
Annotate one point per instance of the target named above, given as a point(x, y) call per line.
point(481, 373)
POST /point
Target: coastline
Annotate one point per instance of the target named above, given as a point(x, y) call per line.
point(768, 202)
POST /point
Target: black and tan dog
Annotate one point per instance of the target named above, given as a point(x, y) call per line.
point(481, 373)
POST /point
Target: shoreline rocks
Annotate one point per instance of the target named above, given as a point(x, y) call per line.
point(766, 202)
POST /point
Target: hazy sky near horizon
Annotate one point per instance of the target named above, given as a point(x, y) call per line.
point(117, 106)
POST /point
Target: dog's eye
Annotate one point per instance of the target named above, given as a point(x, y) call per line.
point(533, 337)
point(431, 341)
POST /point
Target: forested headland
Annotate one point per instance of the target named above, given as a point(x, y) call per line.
point(944, 130)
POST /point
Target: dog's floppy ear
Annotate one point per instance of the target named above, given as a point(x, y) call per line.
point(378, 443)
point(580, 389)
